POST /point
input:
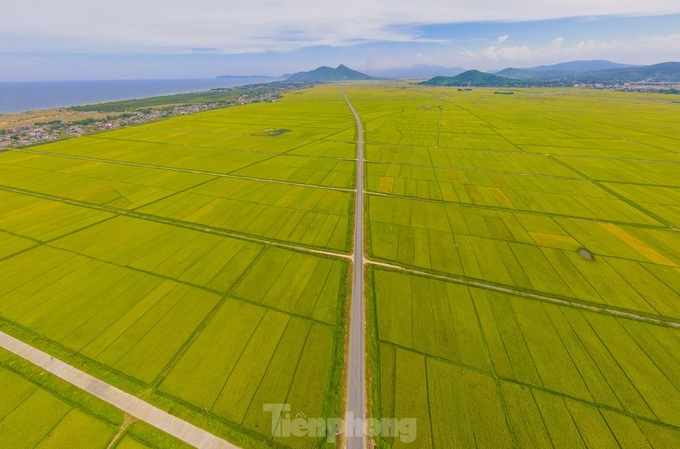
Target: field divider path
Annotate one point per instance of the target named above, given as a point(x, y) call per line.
point(189, 284)
point(209, 147)
point(356, 385)
point(530, 295)
point(477, 170)
point(492, 127)
point(177, 223)
point(613, 125)
point(662, 225)
point(439, 127)
point(233, 134)
point(617, 195)
point(181, 170)
point(487, 150)
point(129, 404)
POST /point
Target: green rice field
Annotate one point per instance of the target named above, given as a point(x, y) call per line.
point(522, 267)
point(199, 263)
point(526, 285)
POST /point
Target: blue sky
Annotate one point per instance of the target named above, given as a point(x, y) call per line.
point(126, 39)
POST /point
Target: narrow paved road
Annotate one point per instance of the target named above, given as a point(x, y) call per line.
point(131, 405)
point(356, 391)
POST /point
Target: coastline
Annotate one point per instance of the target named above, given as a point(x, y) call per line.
point(27, 96)
point(22, 129)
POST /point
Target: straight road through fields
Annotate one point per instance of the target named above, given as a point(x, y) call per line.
point(355, 416)
point(131, 405)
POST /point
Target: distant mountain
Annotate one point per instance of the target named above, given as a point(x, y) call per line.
point(417, 71)
point(472, 78)
point(563, 70)
point(582, 66)
point(528, 74)
point(664, 72)
point(588, 72)
point(325, 74)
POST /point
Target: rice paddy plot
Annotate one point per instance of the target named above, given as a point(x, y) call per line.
point(633, 268)
point(129, 321)
point(201, 259)
point(348, 135)
point(566, 197)
point(290, 129)
point(111, 170)
point(609, 361)
point(295, 283)
point(315, 115)
point(280, 144)
point(633, 172)
point(44, 220)
point(329, 149)
point(468, 160)
point(476, 143)
point(580, 379)
point(664, 202)
point(264, 357)
point(12, 244)
point(280, 344)
point(106, 146)
point(31, 417)
point(304, 170)
point(427, 317)
point(185, 157)
point(590, 144)
point(453, 407)
point(541, 419)
point(415, 126)
point(287, 213)
point(230, 374)
point(97, 182)
point(215, 125)
point(645, 154)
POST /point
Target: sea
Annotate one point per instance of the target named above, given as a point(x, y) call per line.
point(35, 95)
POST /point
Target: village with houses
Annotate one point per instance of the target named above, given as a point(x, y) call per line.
point(35, 127)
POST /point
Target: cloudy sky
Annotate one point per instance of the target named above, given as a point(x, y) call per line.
point(125, 39)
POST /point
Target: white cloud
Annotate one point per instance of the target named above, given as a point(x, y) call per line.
point(494, 53)
point(261, 25)
point(503, 38)
point(643, 50)
point(557, 42)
